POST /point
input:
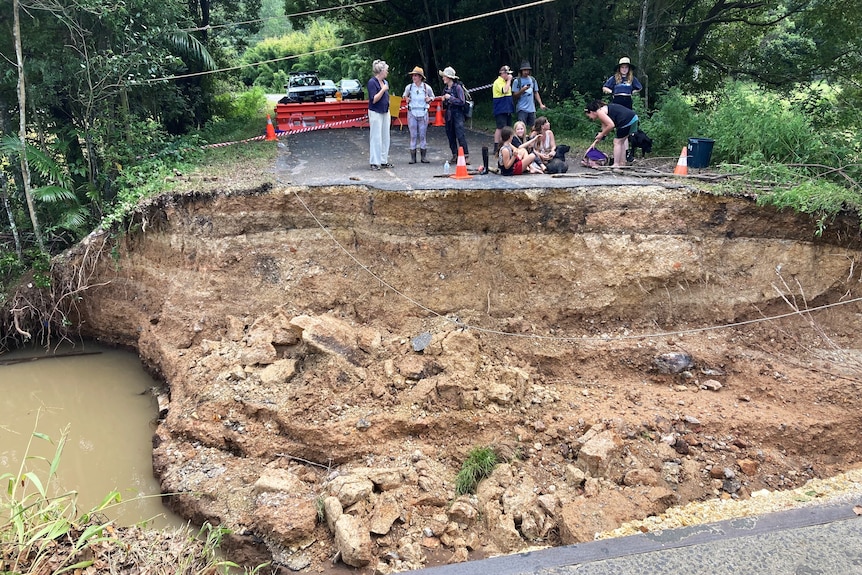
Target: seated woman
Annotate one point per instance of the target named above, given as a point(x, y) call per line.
point(546, 145)
point(511, 160)
point(525, 146)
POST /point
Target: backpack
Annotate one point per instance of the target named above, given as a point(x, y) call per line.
point(468, 101)
point(594, 158)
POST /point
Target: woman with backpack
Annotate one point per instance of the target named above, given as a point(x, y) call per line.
point(454, 102)
point(613, 117)
point(417, 95)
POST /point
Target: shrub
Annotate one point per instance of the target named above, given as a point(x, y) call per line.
point(672, 124)
point(748, 122)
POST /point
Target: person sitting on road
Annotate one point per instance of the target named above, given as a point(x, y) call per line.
point(511, 160)
point(546, 145)
point(524, 146)
point(613, 117)
point(417, 96)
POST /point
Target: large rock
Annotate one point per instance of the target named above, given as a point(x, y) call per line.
point(353, 541)
point(289, 520)
point(386, 511)
point(350, 489)
point(600, 453)
point(332, 336)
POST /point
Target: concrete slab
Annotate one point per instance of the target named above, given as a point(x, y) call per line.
point(340, 157)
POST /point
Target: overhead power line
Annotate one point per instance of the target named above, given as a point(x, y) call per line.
point(306, 13)
point(352, 44)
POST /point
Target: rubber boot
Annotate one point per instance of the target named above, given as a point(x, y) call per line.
point(424, 160)
point(484, 159)
point(413, 156)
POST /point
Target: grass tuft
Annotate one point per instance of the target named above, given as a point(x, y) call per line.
point(480, 463)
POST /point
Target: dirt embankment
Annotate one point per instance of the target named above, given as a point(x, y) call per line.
point(329, 373)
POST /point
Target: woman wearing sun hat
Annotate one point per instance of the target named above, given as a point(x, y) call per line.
point(623, 84)
point(417, 96)
point(454, 100)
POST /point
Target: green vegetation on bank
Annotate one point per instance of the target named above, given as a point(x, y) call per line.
point(42, 531)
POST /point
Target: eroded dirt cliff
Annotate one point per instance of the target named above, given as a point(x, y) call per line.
point(332, 355)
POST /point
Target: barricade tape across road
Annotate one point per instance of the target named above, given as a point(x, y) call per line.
point(282, 133)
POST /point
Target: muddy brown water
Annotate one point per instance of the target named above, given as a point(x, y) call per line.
point(103, 397)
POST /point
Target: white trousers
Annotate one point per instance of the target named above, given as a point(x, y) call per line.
point(379, 137)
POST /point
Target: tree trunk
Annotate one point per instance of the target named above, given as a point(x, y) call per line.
point(644, 77)
point(22, 113)
point(4, 195)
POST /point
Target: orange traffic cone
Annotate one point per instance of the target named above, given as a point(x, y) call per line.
point(438, 119)
point(270, 129)
point(681, 168)
point(461, 168)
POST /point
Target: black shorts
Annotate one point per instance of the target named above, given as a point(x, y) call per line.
point(624, 132)
point(503, 120)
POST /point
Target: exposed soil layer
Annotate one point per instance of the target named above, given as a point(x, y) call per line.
point(332, 356)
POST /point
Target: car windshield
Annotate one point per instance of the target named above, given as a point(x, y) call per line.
point(349, 84)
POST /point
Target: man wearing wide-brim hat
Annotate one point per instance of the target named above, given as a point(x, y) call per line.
point(417, 97)
point(454, 102)
point(623, 83)
point(525, 91)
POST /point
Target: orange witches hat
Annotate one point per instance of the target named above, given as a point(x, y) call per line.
point(270, 129)
point(438, 119)
point(681, 168)
point(461, 168)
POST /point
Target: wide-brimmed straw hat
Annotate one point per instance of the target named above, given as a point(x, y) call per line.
point(525, 65)
point(448, 72)
point(417, 70)
point(625, 60)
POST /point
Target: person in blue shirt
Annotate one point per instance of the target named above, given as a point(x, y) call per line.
point(378, 116)
point(418, 96)
point(525, 91)
point(623, 84)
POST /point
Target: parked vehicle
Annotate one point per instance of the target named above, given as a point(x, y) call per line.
point(303, 87)
point(329, 88)
point(351, 90)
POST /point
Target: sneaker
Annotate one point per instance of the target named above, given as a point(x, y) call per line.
point(630, 155)
point(467, 160)
point(375, 167)
point(453, 160)
point(387, 165)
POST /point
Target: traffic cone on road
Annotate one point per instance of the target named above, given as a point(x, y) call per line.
point(681, 168)
point(461, 168)
point(270, 129)
point(438, 119)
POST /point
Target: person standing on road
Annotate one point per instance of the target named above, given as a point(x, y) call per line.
point(378, 116)
point(418, 96)
point(454, 100)
point(612, 117)
point(525, 91)
point(501, 91)
point(623, 85)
